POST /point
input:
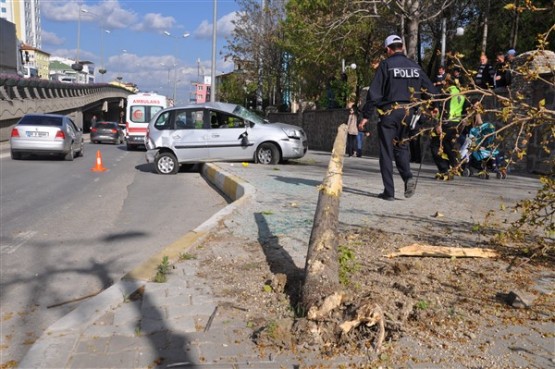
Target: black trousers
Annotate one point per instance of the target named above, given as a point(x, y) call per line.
point(449, 147)
point(414, 144)
point(393, 131)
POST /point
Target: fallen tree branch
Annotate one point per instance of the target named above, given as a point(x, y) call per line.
point(443, 252)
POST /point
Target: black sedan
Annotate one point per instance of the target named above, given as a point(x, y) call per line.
point(107, 132)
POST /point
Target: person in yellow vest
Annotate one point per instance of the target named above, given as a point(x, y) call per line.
point(443, 143)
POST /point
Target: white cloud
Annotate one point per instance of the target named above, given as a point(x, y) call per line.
point(225, 26)
point(114, 17)
point(49, 38)
point(60, 11)
point(109, 13)
point(72, 54)
point(155, 22)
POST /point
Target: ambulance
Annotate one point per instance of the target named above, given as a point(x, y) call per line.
point(140, 109)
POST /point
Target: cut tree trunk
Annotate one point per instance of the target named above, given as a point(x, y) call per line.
point(322, 264)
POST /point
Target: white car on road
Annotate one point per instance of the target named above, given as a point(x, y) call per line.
point(219, 132)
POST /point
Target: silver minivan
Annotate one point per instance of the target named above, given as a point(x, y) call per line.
point(216, 131)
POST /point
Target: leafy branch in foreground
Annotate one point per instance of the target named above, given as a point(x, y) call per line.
point(535, 228)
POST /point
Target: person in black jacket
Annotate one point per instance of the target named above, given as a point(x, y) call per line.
point(439, 79)
point(485, 72)
point(502, 71)
point(397, 80)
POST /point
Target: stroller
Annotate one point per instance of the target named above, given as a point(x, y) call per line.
point(480, 154)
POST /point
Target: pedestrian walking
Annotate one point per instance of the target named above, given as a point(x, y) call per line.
point(360, 139)
point(93, 121)
point(352, 131)
point(397, 80)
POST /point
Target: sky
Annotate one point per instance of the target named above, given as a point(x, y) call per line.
point(127, 38)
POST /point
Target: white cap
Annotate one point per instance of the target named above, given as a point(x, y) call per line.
point(393, 39)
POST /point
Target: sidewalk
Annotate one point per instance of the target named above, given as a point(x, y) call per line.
point(180, 323)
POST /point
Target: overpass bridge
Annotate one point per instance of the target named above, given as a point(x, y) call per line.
point(20, 96)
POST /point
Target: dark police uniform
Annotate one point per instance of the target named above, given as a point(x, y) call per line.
point(391, 89)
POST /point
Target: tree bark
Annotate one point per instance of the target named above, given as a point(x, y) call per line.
point(514, 28)
point(412, 30)
point(322, 264)
point(485, 29)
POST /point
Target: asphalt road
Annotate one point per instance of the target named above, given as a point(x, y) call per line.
point(68, 232)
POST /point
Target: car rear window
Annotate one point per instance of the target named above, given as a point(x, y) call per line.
point(107, 125)
point(36, 120)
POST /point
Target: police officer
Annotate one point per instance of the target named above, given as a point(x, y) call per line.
point(397, 80)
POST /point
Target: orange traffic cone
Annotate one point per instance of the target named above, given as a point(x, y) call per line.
point(98, 167)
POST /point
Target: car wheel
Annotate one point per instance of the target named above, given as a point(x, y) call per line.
point(166, 163)
point(70, 155)
point(15, 155)
point(267, 153)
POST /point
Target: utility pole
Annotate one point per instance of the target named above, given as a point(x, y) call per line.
point(262, 35)
point(213, 72)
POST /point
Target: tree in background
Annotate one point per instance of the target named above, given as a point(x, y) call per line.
point(297, 46)
point(256, 38)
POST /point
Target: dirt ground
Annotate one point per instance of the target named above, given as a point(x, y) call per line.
point(452, 312)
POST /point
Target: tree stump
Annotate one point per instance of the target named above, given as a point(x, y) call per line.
point(321, 288)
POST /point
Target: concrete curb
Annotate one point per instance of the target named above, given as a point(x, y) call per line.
point(58, 341)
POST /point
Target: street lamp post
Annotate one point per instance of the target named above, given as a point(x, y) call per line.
point(185, 35)
point(458, 32)
point(213, 70)
point(162, 64)
point(344, 68)
point(77, 66)
point(102, 70)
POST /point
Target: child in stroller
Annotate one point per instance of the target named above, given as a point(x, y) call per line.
point(481, 154)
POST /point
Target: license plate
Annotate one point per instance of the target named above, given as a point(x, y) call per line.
point(36, 134)
point(137, 138)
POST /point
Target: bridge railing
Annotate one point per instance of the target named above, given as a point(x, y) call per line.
point(17, 88)
point(20, 96)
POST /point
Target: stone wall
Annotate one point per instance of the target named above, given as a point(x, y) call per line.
point(321, 129)
point(542, 63)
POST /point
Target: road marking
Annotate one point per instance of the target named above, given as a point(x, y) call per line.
point(17, 242)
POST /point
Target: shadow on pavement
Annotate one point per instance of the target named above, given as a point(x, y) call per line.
point(279, 260)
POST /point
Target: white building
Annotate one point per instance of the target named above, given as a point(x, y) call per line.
point(60, 70)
